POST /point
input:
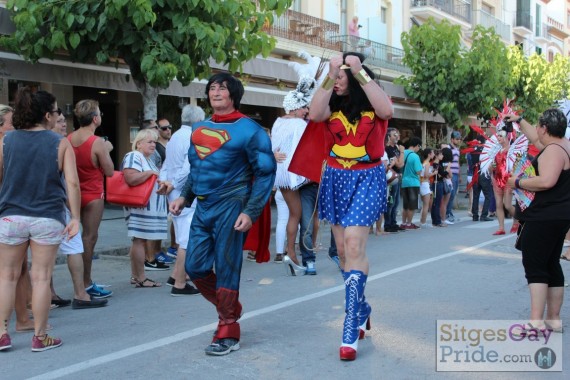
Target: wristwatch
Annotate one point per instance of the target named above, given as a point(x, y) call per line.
point(518, 120)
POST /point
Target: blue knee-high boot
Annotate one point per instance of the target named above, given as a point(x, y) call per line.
point(363, 313)
point(354, 293)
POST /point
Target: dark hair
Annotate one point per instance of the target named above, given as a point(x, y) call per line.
point(147, 123)
point(425, 153)
point(414, 141)
point(554, 121)
point(353, 104)
point(447, 155)
point(30, 108)
point(234, 87)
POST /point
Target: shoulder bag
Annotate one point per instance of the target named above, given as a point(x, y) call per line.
point(121, 194)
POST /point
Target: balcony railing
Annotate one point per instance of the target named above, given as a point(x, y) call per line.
point(523, 19)
point(557, 24)
point(456, 8)
point(301, 27)
point(376, 54)
point(489, 21)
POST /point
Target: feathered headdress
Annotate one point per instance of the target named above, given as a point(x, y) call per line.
point(499, 122)
point(301, 96)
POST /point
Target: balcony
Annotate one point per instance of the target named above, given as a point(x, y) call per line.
point(556, 28)
point(460, 11)
point(377, 54)
point(300, 27)
point(523, 24)
point(489, 21)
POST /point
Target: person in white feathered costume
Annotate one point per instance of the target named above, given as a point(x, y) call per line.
point(285, 136)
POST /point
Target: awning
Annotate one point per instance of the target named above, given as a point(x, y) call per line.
point(68, 73)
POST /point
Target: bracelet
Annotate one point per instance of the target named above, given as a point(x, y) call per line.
point(519, 120)
point(327, 84)
point(518, 183)
point(362, 77)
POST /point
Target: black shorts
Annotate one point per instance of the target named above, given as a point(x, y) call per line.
point(541, 243)
point(410, 197)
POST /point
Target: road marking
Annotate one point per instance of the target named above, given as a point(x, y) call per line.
point(81, 366)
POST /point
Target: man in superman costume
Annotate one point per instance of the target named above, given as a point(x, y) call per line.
point(233, 170)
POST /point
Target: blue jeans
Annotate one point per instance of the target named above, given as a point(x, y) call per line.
point(455, 181)
point(308, 194)
point(391, 214)
point(483, 184)
point(438, 195)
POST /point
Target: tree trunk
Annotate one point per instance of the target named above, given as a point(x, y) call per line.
point(150, 96)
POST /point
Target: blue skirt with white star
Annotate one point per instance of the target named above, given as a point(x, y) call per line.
point(353, 197)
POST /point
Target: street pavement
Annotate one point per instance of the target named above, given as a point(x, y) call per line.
point(291, 327)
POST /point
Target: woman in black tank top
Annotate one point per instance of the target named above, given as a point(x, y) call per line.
point(547, 219)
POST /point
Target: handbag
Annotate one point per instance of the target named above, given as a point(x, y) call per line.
point(121, 194)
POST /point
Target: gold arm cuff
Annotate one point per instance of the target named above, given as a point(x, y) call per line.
point(362, 77)
point(327, 84)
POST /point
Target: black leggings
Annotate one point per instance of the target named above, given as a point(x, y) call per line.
point(541, 243)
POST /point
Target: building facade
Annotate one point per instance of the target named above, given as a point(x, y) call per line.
point(319, 27)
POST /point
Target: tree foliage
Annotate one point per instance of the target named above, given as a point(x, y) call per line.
point(537, 84)
point(450, 80)
point(159, 40)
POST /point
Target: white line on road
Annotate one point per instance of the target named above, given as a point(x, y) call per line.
point(81, 366)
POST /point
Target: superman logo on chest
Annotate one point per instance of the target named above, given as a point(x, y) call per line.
point(208, 140)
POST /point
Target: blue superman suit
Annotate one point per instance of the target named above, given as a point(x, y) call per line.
point(232, 172)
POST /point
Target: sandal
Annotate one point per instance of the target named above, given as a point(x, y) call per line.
point(134, 281)
point(149, 284)
point(60, 302)
point(564, 258)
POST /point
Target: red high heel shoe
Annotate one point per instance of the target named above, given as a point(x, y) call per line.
point(499, 232)
point(514, 228)
point(347, 353)
point(362, 333)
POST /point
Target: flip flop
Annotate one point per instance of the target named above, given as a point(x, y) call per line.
point(556, 330)
point(152, 284)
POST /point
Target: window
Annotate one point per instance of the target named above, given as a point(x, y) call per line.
point(538, 50)
point(488, 9)
point(383, 14)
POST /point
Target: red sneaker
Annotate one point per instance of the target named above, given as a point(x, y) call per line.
point(5, 342)
point(47, 343)
point(413, 227)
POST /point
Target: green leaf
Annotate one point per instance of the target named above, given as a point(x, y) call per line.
point(74, 40)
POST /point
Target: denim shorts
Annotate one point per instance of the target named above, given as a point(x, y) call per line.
point(17, 229)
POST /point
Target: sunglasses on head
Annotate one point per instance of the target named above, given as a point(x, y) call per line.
point(166, 127)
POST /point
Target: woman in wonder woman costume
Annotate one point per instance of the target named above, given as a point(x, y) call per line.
point(353, 187)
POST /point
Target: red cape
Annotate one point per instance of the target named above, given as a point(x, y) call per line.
point(311, 152)
point(259, 235)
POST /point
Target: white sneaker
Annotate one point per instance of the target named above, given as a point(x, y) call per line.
point(449, 222)
point(425, 225)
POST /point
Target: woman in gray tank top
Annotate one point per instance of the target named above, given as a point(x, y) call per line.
point(32, 203)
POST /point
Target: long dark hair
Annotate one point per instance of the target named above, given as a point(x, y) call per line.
point(353, 104)
point(30, 108)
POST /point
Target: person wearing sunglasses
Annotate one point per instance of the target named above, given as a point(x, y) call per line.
point(164, 134)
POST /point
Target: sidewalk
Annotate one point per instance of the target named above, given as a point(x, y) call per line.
point(113, 239)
